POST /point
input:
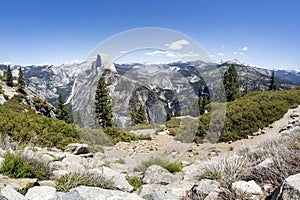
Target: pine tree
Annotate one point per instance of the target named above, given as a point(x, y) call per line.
point(204, 99)
point(231, 84)
point(142, 115)
point(62, 110)
point(9, 77)
point(139, 116)
point(21, 81)
point(78, 120)
point(272, 86)
point(103, 105)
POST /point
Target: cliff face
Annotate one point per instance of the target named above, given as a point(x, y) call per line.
point(162, 88)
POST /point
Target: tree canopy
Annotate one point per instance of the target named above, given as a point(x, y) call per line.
point(103, 110)
point(272, 86)
point(231, 84)
point(62, 110)
point(21, 81)
point(9, 77)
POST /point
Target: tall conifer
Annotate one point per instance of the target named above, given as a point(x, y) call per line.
point(102, 104)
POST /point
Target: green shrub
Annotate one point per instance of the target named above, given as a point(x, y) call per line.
point(144, 137)
point(134, 181)
point(171, 167)
point(217, 176)
point(95, 138)
point(173, 126)
point(69, 181)
point(247, 115)
point(16, 166)
point(24, 190)
point(40, 104)
point(28, 127)
point(120, 161)
point(118, 135)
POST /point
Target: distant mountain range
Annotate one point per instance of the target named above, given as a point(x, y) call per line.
point(162, 88)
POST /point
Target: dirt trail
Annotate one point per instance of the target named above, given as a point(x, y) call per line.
point(165, 146)
point(204, 151)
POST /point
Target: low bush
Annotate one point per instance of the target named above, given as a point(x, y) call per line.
point(284, 159)
point(116, 135)
point(24, 190)
point(72, 180)
point(95, 138)
point(134, 181)
point(16, 166)
point(171, 167)
point(225, 169)
point(247, 115)
point(217, 176)
point(29, 128)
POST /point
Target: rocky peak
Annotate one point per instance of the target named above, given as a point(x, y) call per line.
point(103, 61)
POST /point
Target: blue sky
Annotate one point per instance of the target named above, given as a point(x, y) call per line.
point(263, 33)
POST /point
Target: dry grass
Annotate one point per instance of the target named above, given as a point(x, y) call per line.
point(284, 151)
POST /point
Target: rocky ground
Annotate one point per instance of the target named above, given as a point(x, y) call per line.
point(124, 159)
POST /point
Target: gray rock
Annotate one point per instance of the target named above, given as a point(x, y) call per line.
point(294, 115)
point(47, 158)
point(95, 193)
point(67, 196)
point(158, 174)
point(265, 164)
point(193, 171)
point(206, 188)
point(74, 163)
point(174, 191)
point(76, 148)
point(11, 194)
point(118, 179)
point(1, 160)
point(41, 192)
point(2, 99)
point(15, 183)
point(57, 165)
point(246, 188)
point(56, 174)
point(289, 190)
point(162, 195)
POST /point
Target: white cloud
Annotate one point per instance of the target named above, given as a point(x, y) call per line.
point(189, 54)
point(7, 63)
point(123, 52)
point(245, 49)
point(171, 54)
point(220, 54)
point(177, 45)
point(242, 54)
point(75, 61)
point(235, 53)
point(160, 53)
point(223, 46)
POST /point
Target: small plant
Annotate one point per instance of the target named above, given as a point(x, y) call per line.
point(24, 190)
point(217, 176)
point(69, 181)
point(16, 166)
point(145, 137)
point(120, 161)
point(134, 181)
point(118, 135)
point(171, 167)
point(105, 164)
